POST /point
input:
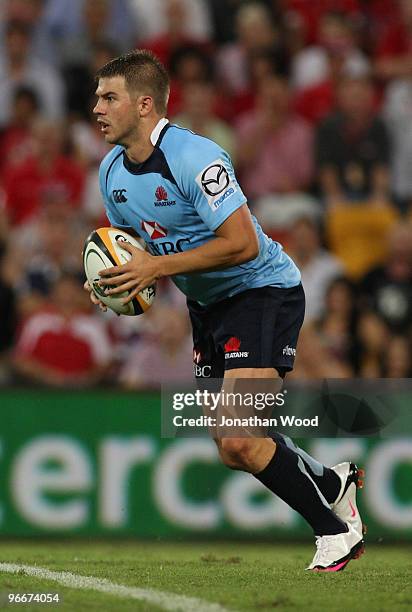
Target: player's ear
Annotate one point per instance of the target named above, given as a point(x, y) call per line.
point(145, 105)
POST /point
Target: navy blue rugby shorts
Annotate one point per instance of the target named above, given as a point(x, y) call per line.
point(257, 328)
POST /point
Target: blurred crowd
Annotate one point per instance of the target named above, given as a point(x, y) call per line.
point(313, 101)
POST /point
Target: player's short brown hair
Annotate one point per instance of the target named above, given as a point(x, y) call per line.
point(143, 72)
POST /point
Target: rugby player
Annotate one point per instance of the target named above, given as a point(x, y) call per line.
point(178, 192)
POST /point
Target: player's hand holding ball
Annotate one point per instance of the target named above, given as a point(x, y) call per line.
point(120, 274)
point(93, 297)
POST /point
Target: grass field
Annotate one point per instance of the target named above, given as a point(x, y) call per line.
point(233, 576)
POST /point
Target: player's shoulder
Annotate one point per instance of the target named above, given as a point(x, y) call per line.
point(182, 147)
point(188, 142)
point(180, 134)
point(110, 157)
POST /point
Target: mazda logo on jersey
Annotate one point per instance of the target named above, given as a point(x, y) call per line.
point(216, 184)
point(118, 196)
point(154, 229)
point(215, 179)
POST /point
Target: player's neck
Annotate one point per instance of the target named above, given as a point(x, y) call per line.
point(139, 152)
point(142, 146)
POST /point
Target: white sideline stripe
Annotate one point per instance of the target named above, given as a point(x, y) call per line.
point(162, 599)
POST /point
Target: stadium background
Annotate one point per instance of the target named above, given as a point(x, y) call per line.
point(313, 100)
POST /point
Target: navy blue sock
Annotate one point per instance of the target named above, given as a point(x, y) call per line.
point(325, 479)
point(286, 476)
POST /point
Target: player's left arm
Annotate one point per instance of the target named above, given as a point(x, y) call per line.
point(235, 242)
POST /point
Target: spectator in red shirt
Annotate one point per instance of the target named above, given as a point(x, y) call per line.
point(48, 168)
point(275, 150)
point(261, 64)
point(394, 50)
point(380, 16)
point(310, 13)
point(15, 138)
point(63, 345)
point(256, 31)
point(175, 35)
point(188, 64)
point(317, 70)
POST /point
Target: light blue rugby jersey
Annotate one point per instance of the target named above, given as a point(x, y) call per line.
point(176, 199)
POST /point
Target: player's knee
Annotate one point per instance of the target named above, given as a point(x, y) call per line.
point(238, 453)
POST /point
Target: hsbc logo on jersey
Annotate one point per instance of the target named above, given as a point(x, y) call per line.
point(154, 229)
point(198, 370)
point(216, 183)
point(166, 247)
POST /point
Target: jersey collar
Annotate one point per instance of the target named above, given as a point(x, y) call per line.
point(156, 161)
point(154, 136)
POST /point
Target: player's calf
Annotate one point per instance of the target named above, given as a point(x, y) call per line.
point(247, 454)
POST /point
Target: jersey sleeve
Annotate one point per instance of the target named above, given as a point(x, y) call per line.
point(208, 180)
point(111, 211)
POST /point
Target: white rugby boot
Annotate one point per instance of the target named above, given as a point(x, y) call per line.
point(333, 552)
point(345, 507)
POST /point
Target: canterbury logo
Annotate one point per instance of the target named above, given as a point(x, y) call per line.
point(118, 196)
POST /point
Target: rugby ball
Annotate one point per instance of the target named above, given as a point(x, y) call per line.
point(102, 250)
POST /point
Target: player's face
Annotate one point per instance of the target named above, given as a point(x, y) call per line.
point(116, 111)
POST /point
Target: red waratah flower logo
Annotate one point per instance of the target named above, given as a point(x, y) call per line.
point(232, 345)
point(161, 194)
